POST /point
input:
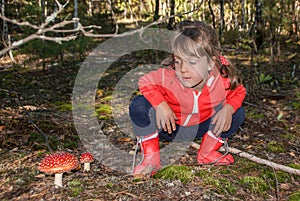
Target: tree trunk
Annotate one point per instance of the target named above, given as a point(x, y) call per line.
point(222, 21)
point(212, 14)
point(113, 15)
point(234, 19)
point(156, 11)
point(90, 8)
point(4, 25)
point(44, 14)
point(259, 24)
point(5, 36)
point(172, 12)
point(243, 15)
point(75, 13)
point(203, 9)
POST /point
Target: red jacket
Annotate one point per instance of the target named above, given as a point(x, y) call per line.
point(190, 106)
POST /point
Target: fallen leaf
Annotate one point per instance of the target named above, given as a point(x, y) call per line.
point(29, 107)
point(285, 186)
point(40, 176)
point(292, 56)
point(2, 128)
point(124, 139)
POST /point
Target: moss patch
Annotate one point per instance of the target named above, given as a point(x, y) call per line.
point(221, 184)
point(275, 147)
point(295, 196)
point(176, 172)
point(255, 184)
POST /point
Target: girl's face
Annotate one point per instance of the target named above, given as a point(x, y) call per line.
point(192, 72)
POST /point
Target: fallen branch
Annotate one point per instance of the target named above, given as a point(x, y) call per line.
point(257, 159)
point(29, 118)
point(60, 27)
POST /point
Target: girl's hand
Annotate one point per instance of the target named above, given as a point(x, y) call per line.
point(222, 120)
point(165, 117)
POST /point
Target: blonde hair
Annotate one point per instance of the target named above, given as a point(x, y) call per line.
point(196, 38)
point(191, 43)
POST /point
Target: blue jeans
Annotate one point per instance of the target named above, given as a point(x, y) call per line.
point(143, 119)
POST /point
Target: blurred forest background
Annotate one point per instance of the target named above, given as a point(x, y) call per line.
point(256, 24)
point(43, 44)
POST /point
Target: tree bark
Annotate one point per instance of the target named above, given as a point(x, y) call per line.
point(222, 21)
point(172, 12)
point(156, 11)
point(75, 13)
point(259, 24)
point(243, 15)
point(212, 14)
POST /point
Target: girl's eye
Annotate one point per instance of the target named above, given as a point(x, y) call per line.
point(177, 62)
point(193, 62)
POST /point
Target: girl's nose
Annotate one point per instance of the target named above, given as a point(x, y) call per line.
point(184, 67)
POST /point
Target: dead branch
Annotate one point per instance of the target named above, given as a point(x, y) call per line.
point(257, 159)
point(59, 28)
point(19, 23)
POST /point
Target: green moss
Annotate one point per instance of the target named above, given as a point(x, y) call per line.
point(275, 147)
point(103, 111)
point(70, 144)
point(175, 172)
point(281, 177)
point(107, 98)
point(39, 140)
point(221, 184)
point(65, 107)
point(40, 153)
point(295, 166)
point(295, 196)
point(75, 187)
point(110, 185)
point(254, 115)
point(255, 184)
point(245, 166)
point(296, 103)
point(137, 179)
point(288, 136)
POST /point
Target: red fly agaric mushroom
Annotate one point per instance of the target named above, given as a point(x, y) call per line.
point(58, 163)
point(86, 158)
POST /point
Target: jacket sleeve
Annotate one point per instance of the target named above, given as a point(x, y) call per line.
point(151, 86)
point(236, 97)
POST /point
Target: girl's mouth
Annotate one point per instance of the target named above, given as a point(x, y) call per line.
point(186, 78)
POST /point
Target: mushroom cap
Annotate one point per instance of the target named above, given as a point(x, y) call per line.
point(86, 158)
point(58, 162)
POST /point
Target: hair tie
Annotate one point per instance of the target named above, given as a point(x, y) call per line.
point(223, 60)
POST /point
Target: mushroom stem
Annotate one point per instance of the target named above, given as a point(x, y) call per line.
point(58, 179)
point(86, 167)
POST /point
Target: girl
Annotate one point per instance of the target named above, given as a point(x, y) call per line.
point(197, 95)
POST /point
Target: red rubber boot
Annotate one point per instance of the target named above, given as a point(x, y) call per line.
point(150, 163)
point(208, 152)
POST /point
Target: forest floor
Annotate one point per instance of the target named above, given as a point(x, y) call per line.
point(34, 98)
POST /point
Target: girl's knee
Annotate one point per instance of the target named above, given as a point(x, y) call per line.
point(139, 105)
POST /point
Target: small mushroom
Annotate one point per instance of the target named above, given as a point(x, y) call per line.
point(58, 163)
point(86, 158)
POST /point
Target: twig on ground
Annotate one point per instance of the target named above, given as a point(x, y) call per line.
point(257, 160)
point(276, 179)
point(29, 117)
point(258, 106)
point(126, 193)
